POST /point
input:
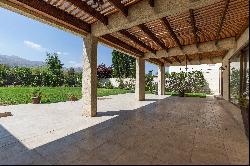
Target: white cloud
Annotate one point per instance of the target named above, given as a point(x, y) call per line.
point(33, 45)
point(62, 53)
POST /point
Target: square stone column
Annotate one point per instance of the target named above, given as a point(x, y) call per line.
point(225, 76)
point(161, 80)
point(140, 79)
point(89, 76)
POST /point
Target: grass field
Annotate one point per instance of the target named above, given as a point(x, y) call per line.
point(22, 95)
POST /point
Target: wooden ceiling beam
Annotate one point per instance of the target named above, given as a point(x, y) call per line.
point(194, 28)
point(187, 57)
point(113, 40)
point(44, 10)
point(120, 7)
point(222, 21)
point(88, 9)
point(167, 60)
point(151, 3)
point(155, 61)
point(176, 59)
point(137, 41)
point(145, 29)
point(171, 31)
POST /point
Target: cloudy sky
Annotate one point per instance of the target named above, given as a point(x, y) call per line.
point(30, 39)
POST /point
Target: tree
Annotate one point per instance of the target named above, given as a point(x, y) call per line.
point(70, 77)
point(103, 71)
point(123, 65)
point(54, 76)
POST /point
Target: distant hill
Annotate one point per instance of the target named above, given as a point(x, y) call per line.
point(17, 61)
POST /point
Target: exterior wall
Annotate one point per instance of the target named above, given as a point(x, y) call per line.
point(211, 73)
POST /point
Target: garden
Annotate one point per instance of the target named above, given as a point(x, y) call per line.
point(52, 83)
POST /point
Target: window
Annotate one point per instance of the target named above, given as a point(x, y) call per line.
point(239, 78)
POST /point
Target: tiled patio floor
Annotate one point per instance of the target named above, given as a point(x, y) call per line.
point(160, 130)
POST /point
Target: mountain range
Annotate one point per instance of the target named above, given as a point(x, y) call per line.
point(17, 61)
point(21, 62)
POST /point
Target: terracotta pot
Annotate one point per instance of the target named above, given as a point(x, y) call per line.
point(72, 98)
point(36, 100)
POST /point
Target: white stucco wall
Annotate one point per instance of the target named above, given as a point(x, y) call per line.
point(210, 71)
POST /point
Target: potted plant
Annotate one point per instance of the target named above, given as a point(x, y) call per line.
point(36, 96)
point(72, 97)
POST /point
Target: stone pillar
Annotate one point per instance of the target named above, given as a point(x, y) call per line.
point(140, 79)
point(225, 75)
point(89, 76)
point(161, 80)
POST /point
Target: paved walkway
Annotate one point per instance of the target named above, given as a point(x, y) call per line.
point(160, 130)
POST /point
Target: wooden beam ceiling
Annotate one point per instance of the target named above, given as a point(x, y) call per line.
point(170, 30)
point(119, 6)
point(222, 20)
point(176, 59)
point(187, 57)
point(136, 40)
point(167, 60)
point(46, 10)
point(155, 61)
point(89, 10)
point(194, 28)
point(122, 44)
point(145, 29)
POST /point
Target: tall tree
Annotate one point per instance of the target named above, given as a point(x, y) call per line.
point(123, 65)
point(55, 72)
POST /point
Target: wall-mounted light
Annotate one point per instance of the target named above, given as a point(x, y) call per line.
point(222, 68)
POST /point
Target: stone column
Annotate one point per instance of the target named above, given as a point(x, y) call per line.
point(225, 76)
point(161, 80)
point(140, 79)
point(89, 76)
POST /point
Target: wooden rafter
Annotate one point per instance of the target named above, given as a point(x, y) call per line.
point(151, 3)
point(156, 61)
point(88, 9)
point(194, 28)
point(122, 44)
point(120, 6)
point(187, 57)
point(176, 59)
point(222, 20)
point(167, 60)
point(46, 10)
point(145, 29)
point(171, 31)
point(136, 40)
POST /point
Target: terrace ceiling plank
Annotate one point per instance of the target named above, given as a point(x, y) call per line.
point(170, 30)
point(49, 11)
point(222, 20)
point(136, 40)
point(194, 28)
point(88, 9)
point(152, 36)
point(122, 44)
point(188, 59)
point(120, 6)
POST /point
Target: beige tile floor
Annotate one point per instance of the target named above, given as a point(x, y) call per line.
point(160, 130)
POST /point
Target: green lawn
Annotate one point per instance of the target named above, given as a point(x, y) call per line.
point(22, 95)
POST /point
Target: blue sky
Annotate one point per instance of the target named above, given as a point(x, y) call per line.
point(30, 39)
